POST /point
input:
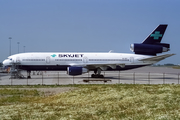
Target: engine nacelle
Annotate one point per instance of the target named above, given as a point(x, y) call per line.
point(76, 70)
point(149, 49)
point(163, 44)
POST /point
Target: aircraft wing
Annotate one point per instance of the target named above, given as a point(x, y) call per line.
point(103, 66)
point(157, 58)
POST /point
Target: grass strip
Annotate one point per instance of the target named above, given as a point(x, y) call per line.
point(118, 101)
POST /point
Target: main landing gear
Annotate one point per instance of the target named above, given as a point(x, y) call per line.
point(97, 74)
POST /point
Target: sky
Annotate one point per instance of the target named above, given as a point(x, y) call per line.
point(86, 25)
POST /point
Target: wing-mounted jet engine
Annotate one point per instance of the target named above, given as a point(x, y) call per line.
point(151, 45)
point(76, 70)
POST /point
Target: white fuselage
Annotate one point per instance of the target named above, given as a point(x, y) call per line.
point(60, 61)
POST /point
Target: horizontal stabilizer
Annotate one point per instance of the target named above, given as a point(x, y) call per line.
point(157, 58)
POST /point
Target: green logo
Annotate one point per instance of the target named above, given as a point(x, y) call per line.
point(53, 55)
point(156, 35)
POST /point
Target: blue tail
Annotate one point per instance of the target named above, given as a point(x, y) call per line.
point(152, 44)
point(156, 36)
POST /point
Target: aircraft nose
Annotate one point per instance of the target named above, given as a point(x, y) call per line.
point(5, 63)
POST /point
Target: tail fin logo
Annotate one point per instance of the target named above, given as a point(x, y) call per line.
point(156, 35)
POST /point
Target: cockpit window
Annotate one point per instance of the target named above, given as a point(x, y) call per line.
point(9, 58)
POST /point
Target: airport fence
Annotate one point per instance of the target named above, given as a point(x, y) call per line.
point(114, 77)
point(61, 78)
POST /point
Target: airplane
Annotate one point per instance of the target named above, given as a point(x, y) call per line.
point(76, 63)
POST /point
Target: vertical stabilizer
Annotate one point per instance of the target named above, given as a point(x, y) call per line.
point(156, 36)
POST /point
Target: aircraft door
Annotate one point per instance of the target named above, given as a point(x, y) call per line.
point(132, 59)
point(47, 60)
point(85, 60)
point(17, 59)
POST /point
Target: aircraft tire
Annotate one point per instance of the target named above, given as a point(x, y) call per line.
point(29, 77)
point(101, 76)
point(92, 75)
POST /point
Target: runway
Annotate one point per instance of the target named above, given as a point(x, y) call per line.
point(144, 75)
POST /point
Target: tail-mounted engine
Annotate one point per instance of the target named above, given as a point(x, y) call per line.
point(149, 49)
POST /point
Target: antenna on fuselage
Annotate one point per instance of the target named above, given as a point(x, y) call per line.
point(111, 51)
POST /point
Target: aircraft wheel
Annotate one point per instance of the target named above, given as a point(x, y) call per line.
point(101, 76)
point(92, 75)
point(29, 77)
